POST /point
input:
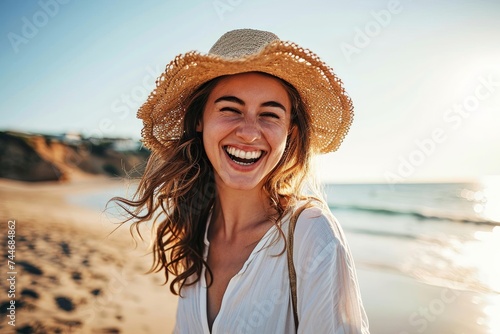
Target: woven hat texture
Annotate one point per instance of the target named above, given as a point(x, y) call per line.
point(248, 50)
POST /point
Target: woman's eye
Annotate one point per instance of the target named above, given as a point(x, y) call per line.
point(230, 110)
point(271, 114)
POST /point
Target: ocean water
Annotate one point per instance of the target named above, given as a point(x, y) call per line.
point(443, 234)
point(458, 202)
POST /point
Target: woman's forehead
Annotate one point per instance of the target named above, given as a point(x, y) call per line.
point(251, 85)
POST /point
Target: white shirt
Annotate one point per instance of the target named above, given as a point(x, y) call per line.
point(258, 299)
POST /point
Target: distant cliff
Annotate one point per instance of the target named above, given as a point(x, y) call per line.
point(38, 157)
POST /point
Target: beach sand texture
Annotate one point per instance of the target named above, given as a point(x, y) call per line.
point(71, 276)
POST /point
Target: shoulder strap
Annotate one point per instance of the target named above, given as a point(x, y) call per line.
point(291, 270)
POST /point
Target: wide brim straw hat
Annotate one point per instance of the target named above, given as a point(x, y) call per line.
point(248, 50)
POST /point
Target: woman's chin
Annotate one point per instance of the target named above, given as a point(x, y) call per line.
point(243, 183)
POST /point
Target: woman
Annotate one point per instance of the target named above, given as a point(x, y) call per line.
point(232, 134)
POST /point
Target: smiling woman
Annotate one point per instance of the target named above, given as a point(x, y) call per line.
point(232, 134)
point(245, 126)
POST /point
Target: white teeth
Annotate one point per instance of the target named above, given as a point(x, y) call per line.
point(242, 154)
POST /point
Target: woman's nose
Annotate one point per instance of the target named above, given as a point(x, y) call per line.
point(248, 131)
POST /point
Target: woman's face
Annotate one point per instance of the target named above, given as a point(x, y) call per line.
point(245, 125)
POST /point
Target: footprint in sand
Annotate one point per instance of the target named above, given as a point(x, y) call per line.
point(65, 304)
point(29, 299)
point(30, 268)
point(30, 293)
point(86, 262)
point(96, 292)
point(65, 248)
point(77, 277)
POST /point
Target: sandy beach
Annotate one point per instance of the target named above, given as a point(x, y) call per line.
point(73, 276)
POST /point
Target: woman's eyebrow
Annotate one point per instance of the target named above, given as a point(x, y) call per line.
point(273, 104)
point(231, 98)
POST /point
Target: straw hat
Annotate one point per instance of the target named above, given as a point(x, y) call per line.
point(247, 50)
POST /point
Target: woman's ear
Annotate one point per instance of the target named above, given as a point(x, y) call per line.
point(199, 126)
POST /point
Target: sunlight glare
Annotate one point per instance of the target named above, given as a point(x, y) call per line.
point(481, 256)
point(492, 311)
point(491, 193)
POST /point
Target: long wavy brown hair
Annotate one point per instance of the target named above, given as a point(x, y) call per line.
point(177, 190)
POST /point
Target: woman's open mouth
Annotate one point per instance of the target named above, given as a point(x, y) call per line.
point(243, 158)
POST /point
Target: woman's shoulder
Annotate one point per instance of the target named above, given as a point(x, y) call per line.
point(316, 223)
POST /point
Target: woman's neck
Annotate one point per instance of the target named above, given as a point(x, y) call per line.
point(238, 212)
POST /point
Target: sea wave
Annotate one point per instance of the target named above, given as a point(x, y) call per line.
point(422, 214)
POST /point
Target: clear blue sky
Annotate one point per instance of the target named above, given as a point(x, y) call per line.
point(424, 75)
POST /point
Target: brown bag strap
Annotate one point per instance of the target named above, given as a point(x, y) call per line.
point(291, 267)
